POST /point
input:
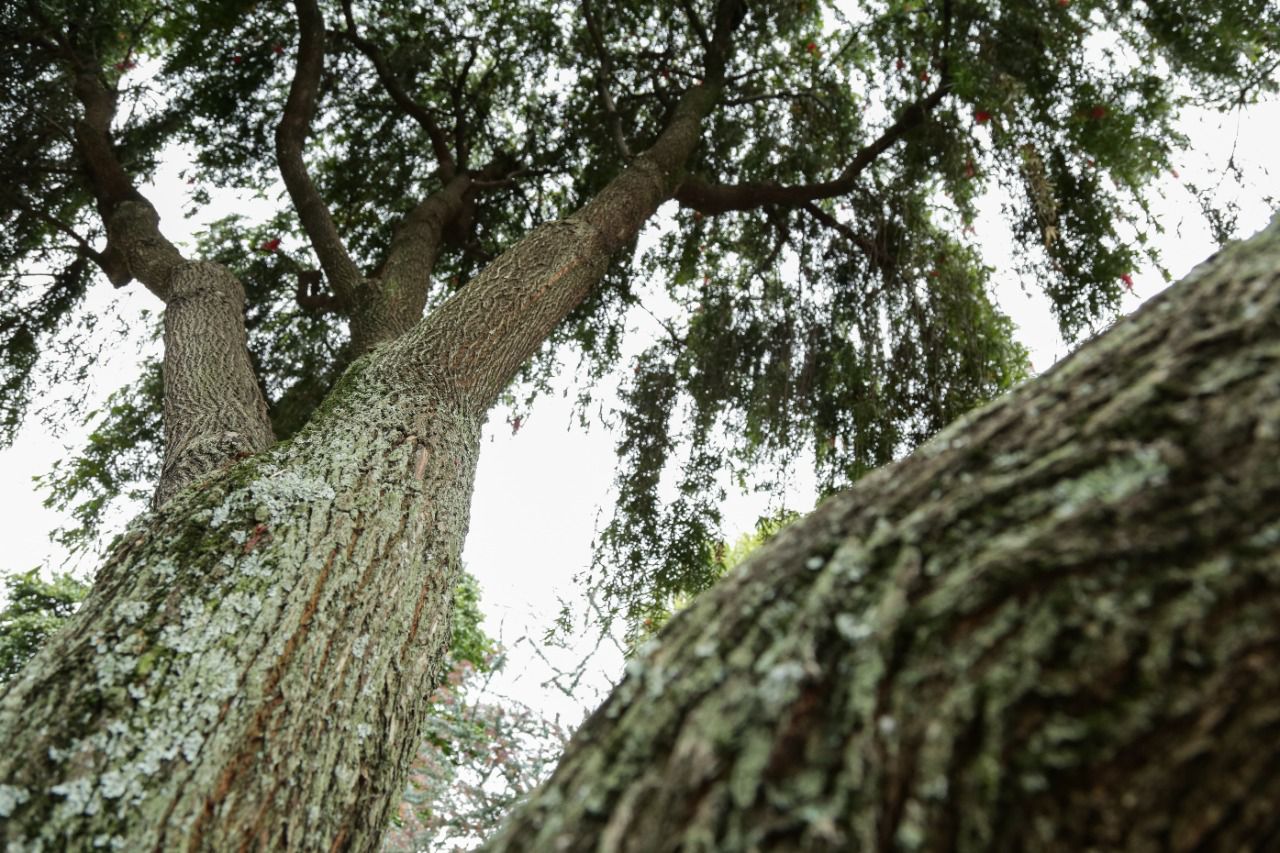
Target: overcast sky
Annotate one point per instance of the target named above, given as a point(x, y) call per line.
point(541, 493)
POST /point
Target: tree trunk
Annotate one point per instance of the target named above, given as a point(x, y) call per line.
point(1056, 627)
point(254, 663)
point(214, 411)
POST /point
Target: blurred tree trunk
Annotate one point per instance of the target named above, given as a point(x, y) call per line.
point(1054, 627)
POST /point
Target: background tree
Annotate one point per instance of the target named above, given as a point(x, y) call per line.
point(282, 613)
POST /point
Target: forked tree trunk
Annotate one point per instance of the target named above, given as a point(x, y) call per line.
point(253, 666)
point(1055, 627)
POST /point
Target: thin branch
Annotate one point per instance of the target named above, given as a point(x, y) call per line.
point(604, 80)
point(695, 23)
point(458, 90)
point(439, 143)
point(777, 96)
point(291, 134)
point(869, 247)
point(711, 199)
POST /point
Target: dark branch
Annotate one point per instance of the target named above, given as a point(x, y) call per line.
point(867, 245)
point(109, 261)
point(604, 80)
point(777, 96)
point(457, 94)
point(291, 135)
point(695, 23)
point(711, 199)
point(439, 143)
point(729, 14)
point(310, 294)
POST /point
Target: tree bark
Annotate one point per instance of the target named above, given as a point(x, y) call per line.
point(1055, 627)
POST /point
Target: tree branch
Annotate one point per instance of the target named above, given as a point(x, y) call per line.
point(439, 143)
point(729, 14)
point(777, 96)
point(110, 262)
point(457, 92)
point(695, 23)
point(604, 79)
point(711, 199)
point(291, 134)
point(870, 247)
point(310, 294)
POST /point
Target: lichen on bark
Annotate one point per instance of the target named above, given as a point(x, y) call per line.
point(1054, 627)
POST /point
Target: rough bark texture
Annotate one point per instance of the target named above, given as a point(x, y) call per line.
point(253, 665)
point(509, 309)
point(391, 302)
point(1056, 627)
point(213, 408)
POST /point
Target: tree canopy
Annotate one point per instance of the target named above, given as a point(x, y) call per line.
point(818, 296)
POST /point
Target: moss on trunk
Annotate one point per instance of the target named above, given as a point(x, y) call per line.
point(1054, 627)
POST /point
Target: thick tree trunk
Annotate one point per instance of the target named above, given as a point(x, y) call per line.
point(1056, 627)
point(256, 657)
point(254, 663)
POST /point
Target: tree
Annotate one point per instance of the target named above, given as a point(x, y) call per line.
point(1053, 627)
point(34, 610)
point(259, 651)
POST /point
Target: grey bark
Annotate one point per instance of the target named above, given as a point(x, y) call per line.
point(253, 665)
point(1055, 627)
point(214, 411)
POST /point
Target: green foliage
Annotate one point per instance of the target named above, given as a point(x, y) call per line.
point(47, 224)
point(481, 755)
point(721, 558)
point(120, 460)
point(468, 641)
point(846, 333)
point(35, 609)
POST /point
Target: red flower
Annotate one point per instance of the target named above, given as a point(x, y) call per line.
point(969, 170)
point(924, 75)
point(981, 116)
point(901, 63)
point(270, 245)
point(1128, 282)
point(125, 65)
point(1098, 112)
point(515, 424)
point(277, 48)
point(812, 47)
point(236, 59)
point(1064, 3)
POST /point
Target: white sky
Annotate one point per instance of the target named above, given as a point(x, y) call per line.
point(540, 494)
